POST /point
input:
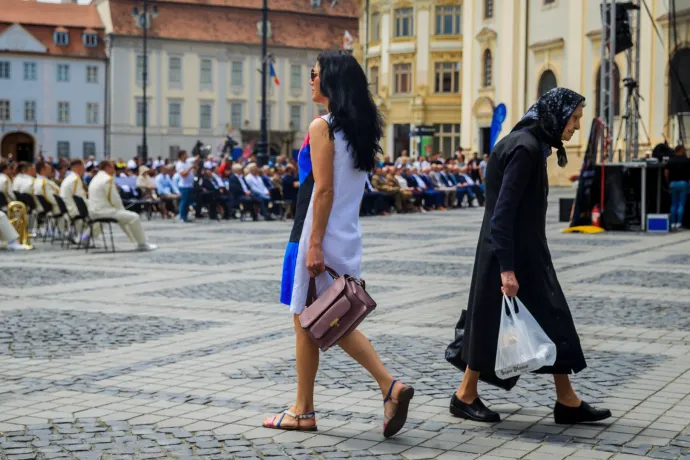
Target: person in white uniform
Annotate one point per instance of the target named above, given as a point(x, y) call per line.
point(45, 187)
point(104, 201)
point(6, 173)
point(9, 238)
point(24, 181)
point(72, 186)
point(339, 150)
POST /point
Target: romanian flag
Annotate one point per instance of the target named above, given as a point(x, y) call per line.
point(274, 76)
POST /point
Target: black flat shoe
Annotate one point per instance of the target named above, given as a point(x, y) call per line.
point(564, 415)
point(476, 411)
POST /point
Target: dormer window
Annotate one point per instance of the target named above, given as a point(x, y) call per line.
point(90, 39)
point(61, 37)
point(315, 3)
point(260, 28)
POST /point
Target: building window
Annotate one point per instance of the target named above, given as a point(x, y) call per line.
point(374, 79)
point(175, 72)
point(5, 70)
point(61, 38)
point(487, 68)
point(4, 110)
point(88, 149)
point(375, 27)
point(236, 77)
point(92, 113)
point(296, 117)
point(447, 139)
point(269, 110)
point(140, 112)
point(547, 82)
point(296, 76)
point(90, 40)
point(616, 91)
point(205, 116)
point(141, 62)
point(549, 2)
point(206, 74)
point(30, 71)
point(91, 74)
point(448, 20)
point(488, 9)
point(63, 72)
point(172, 151)
point(175, 114)
point(29, 110)
point(236, 115)
point(403, 78)
point(63, 149)
point(63, 112)
point(260, 29)
point(447, 77)
point(404, 22)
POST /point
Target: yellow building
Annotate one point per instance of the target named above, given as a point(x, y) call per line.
point(412, 52)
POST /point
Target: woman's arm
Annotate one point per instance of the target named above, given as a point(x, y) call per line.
point(321, 146)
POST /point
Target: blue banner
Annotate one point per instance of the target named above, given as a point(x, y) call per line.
point(499, 117)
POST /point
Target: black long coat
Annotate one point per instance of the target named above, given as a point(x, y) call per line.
point(539, 288)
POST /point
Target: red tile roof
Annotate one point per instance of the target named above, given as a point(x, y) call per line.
point(41, 20)
point(49, 14)
point(214, 21)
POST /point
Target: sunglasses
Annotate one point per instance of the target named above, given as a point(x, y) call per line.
point(313, 74)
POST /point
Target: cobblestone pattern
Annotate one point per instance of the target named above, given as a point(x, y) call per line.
point(416, 268)
point(594, 241)
point(420, 362)
point(648, 279)
point(18, 277)
point(196, 258)
point(675, 259)
point(630, 311)
point(48, 334)
point(237, 290)
point(405, 236)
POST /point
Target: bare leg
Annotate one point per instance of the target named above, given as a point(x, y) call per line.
point(360, 349)
point(467, 391)
point(565, 394)
point(307, 364)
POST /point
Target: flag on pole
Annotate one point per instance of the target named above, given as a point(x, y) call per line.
point(274, 76)
point(347, 40)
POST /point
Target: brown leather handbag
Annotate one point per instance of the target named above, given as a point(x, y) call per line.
point(338, 311)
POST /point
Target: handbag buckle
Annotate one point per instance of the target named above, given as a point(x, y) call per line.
point(334, 323)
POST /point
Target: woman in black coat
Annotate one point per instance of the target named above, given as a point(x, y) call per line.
point(512, 255)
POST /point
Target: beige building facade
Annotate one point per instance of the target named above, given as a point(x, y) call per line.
point(509, 51)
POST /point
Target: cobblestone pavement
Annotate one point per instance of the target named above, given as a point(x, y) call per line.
point(181, 353)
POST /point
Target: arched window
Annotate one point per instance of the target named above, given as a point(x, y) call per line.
point(487, 68)
point(547, 82)
point(616, 91)
point(676, 99)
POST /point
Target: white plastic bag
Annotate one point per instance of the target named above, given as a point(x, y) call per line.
point(523, 346)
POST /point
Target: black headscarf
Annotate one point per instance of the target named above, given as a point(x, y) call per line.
point(548, 117)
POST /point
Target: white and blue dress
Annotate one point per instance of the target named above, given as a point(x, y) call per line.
point(342, 242)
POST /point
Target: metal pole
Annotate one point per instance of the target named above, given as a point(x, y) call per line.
point(612, 63)
point(262, 145)
point(144, 148)
point(636, 76)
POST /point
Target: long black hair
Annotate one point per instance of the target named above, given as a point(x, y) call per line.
point(353, 111)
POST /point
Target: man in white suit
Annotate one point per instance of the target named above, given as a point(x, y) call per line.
point(24, 180)
point(45, 187)
point(73, 185)
point(9, 235)
point(6, 181)
point(105, 201)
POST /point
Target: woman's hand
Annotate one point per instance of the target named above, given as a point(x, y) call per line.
point(315, 263)
point(509, 283)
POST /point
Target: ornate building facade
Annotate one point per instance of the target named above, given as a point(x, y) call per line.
point(511, 51)
point(412, 53)
point(52, 80)
point(203, 79)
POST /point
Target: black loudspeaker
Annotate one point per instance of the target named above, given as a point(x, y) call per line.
point(623, 35)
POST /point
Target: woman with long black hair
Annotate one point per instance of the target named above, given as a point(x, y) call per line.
point(339, 150)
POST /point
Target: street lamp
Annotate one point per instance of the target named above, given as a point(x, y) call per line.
point(262, 145)
point(142, 17)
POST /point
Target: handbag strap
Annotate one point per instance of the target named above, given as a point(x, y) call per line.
point(311, 292)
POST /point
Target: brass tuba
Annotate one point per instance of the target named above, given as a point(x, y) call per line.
point(16, 212)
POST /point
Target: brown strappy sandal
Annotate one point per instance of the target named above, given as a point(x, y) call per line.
point(394, 423)
point(271, 423)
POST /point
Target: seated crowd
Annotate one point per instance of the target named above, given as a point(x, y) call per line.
point(192, 188)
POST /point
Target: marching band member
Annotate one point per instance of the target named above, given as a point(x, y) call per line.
point(72, 185)
point(9, 235)
point(105, 201)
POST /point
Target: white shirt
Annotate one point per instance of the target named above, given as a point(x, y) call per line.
point(72, 185)
point(6, 186)
point(242, 183)
point(23, 183)
point(256, 184)
point(103, 195)
point(402, 182)
point(188, 180)
point(468, 179)
point(131, 164)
